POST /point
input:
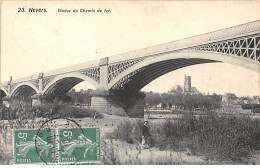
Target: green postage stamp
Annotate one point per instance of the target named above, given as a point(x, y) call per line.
point(34, 146)
point(50, 146)
point(79, 145)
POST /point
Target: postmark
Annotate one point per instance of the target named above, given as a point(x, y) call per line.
point(26, 144)
point(78, 146)
point(73, 143)
point(57, 141)
point(57, 123)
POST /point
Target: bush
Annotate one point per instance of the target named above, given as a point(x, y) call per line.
point(221, 138)
point(10, 113)
point(48, 111)
point(52, 110)
point(130, 132)
point(215, 137)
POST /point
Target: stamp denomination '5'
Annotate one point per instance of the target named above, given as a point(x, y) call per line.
point(79, 145)
point(75, 145)
point(31, 146)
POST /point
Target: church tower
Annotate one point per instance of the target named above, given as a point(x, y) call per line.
point(187, 84)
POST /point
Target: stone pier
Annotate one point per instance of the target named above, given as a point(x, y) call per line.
point(100, 102)
point(36, 100)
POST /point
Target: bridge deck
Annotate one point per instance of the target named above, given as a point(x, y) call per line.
point(239, 31)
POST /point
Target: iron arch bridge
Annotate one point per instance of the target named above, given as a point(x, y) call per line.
point(238, 45)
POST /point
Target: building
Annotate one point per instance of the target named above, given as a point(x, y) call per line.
point(187, 84)
point(186, 88)
point(228, 97)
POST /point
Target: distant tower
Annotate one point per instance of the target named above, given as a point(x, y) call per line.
point(187, 83)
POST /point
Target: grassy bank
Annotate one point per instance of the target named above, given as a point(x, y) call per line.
point(47, 111)
point(233, 138)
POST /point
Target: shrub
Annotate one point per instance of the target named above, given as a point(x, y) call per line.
point(52, 110)
point(216, 137)
point(221, 138)
point(130, 132)
point(48, 111)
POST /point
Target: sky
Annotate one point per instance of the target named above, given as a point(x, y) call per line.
point(37, 42)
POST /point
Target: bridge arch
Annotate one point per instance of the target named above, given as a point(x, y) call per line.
point(2, 94)
point(63, 83)
point(140, 74)
point(24, 89)
point(3, 91)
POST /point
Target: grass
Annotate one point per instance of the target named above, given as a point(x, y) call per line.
point(52, 110)
point(48, 111)
point(128, 131)
point(22, 117)
point(232, 138)
point(116, 152)
point(223, 138)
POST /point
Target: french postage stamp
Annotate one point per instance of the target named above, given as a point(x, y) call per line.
point(79, 145)
point(34, 146)
point(57, 141)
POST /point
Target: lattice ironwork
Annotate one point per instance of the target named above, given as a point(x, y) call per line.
point(245, 47)
point(115, 69)
point(35, 83)
point(203, 39)
point(13, 85)
point(93, 73)
point(47, 80)
point(242, 40)
point(121, 83)
point(62, 86)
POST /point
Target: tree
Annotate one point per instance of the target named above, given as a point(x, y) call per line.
point(152, 98)
point(185, 101)
point(81, 97)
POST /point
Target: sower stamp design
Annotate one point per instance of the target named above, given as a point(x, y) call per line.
point(79, 145)
point(32, 146)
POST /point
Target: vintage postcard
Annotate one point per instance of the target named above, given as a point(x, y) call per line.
point(130, 82)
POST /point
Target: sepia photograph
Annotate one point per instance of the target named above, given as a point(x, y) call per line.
point(130, 82)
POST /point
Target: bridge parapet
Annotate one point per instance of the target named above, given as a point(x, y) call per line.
point(53, 73)
point(242, 41)
point(239, 31)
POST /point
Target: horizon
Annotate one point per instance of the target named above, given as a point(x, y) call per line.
point(218, 83)
point(204, 93)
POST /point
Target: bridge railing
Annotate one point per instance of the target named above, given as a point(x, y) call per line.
point(73, 68)
point(219, 35)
